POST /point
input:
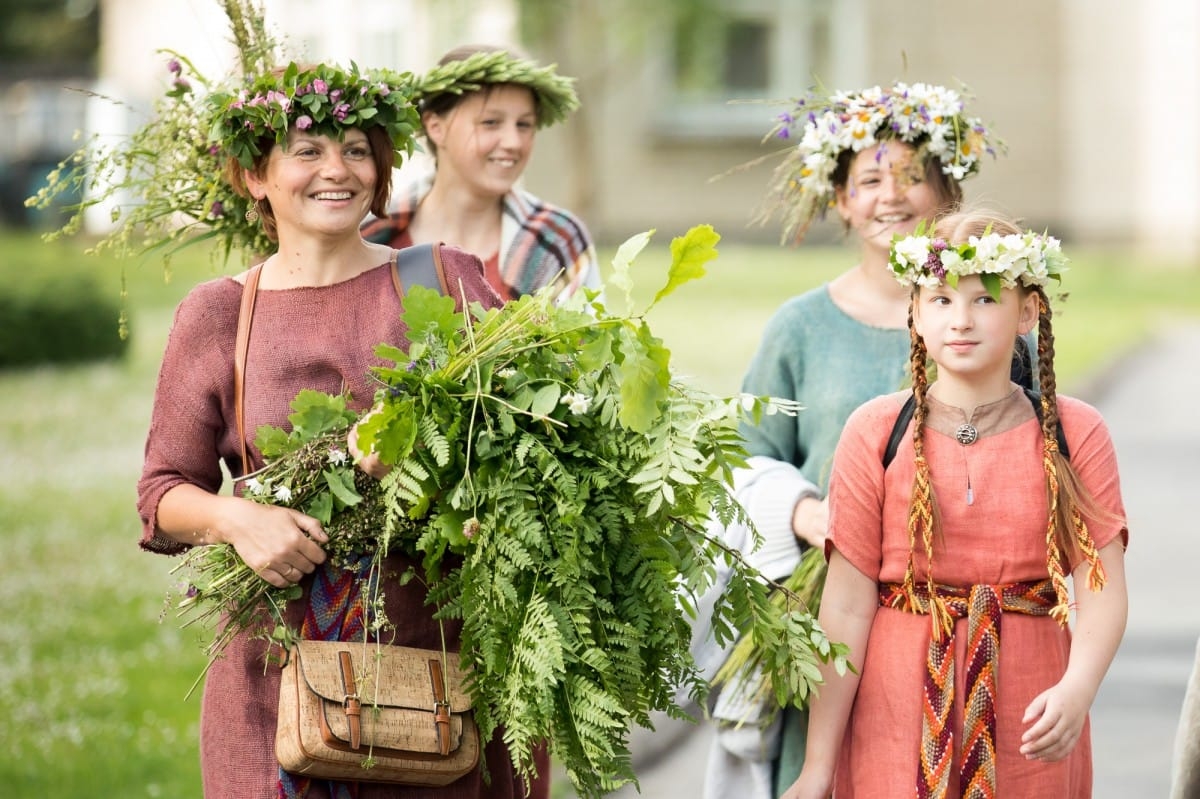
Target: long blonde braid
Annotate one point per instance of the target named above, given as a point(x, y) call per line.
point(1066, 531)
point(922, 509)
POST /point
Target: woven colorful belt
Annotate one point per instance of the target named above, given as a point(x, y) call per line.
point(982, 607)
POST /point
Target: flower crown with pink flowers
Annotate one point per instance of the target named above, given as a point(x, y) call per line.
point(1001, 260)
point(324, 99)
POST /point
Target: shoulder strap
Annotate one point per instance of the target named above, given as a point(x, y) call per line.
point(1036, 398)
point(241, 347)
point(419, 265)
point(1021, 371)
point(906, 415)
point(910, 405)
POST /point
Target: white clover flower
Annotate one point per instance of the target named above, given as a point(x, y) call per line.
point(283, 494)
point(506, 372)
point(256, 487)
point(576, 403)
point(337, 457)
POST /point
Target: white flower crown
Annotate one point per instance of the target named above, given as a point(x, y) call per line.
point(1001, 260)
point(927, 116)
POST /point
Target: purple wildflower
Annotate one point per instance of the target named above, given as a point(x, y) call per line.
point(934, 264)
point(217, 210)
point(174, 66)
point(334, 95)
point(304, 122)
point(341, 111)
point(320, 86)
point(181, 84)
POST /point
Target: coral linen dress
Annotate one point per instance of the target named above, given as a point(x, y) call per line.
point(997, 538)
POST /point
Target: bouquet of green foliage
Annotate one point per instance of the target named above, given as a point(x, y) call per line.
point(552, 449)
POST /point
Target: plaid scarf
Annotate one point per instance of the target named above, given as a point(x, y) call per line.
point(539, 242)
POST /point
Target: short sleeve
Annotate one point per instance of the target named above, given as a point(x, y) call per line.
point(856, 486)
point(1094, 460)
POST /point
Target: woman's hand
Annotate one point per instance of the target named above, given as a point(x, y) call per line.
point(280, 544)
point(369, 462)
point(810, 521)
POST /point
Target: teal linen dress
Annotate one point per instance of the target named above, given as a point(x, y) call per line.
point(813, 352)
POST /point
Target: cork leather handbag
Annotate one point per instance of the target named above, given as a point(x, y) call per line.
point(375, 713)
point(357, 710)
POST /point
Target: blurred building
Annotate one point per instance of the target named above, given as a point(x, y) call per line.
point(1096, 99)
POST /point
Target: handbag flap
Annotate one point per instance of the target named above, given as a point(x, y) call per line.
point(385, 675)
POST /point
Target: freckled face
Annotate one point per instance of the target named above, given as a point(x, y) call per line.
point(316, 183)
point(484, 143)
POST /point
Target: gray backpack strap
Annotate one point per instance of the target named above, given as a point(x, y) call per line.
point(419, 265)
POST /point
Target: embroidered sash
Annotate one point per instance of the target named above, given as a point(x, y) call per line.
point(982, 607)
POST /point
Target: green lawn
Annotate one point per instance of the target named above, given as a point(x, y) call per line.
point(92, 685)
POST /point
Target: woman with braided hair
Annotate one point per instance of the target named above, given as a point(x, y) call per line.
point(481, 108)
point(980, 517)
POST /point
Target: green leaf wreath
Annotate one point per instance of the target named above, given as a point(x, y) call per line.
point(552, 448)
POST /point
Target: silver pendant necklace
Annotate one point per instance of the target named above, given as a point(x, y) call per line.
point(966, 433)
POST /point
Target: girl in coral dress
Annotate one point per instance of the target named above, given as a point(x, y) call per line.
point(948, 566)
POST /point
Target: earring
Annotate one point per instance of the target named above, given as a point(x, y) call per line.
point(252, 213)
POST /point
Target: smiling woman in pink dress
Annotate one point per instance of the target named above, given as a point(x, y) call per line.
point(325, 300)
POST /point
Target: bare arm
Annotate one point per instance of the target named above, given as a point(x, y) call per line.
point(1056, 716)
point(848, 607)
point(280, 544)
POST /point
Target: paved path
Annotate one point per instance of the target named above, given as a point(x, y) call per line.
point(1149, 400)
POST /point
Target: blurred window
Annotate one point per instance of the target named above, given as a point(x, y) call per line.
point(753, 50)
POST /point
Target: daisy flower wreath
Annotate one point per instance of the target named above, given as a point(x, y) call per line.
point(931, 118)
point(552, 448)
point(1001, 261)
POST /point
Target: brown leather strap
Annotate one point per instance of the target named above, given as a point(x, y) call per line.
point(396, 275)
point(245, 316)
point(351, 703)
point(441, 707)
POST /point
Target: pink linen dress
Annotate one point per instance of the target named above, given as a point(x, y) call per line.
point(997, 538)
point(320, 338)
